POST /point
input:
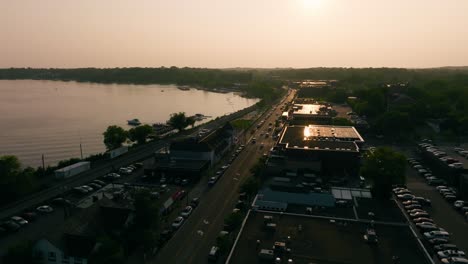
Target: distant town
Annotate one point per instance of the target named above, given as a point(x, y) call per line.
point(346, 169)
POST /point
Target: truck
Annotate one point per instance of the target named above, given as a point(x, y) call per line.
point(72, 170)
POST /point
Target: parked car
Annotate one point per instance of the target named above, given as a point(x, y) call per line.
point(187, 211)
point(419, 214)
point(405, 197)
point(45, 209)
point(213, 255)
point(458, 204)
point(30, 216)
point(177, 222)
point(423, 219)
point(450, 197)
point(445, 247)
point(10, 226)
point(454, 260)
point(95, 185)
point(436, 234)
point(423, 201)
point(413, 206)
point(99, 182)
point(61, 201)
point(88, 188)
point(80, 190)
point(194, 202)
point(450, 253)
point(19, 220)
point(438, 241)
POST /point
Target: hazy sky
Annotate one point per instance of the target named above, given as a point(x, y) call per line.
point(233, 33)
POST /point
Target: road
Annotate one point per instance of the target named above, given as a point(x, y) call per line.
point(139, 153)
point(193, 240)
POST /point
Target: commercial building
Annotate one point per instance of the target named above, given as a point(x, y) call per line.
point(311, 114)
point(324, 150)
point(187, 158)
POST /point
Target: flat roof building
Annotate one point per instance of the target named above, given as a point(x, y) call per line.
point(312, 113)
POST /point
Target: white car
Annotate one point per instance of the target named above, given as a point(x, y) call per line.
point(45, 209)
point(454, 260)
point(177, 222)
point(88, 188)
point(187, 211)
point(19, 220)
point(450, 253)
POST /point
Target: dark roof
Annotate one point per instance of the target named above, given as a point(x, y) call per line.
point(182, 164)
point(77, 235)
point(190, 144)
point(214, 141)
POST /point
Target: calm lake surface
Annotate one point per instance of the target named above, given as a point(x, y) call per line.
point(51, 118)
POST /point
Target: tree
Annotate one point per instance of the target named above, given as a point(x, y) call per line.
point(14, 181)
point(383, 168)
point(340, 121)
point(250, 186)
point(180, 121)
point(114, 136)
point(108, 252)
point(20, 253)
point(140, 133)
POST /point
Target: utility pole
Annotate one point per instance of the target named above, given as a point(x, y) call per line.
point(43, 166)
point(81, 149)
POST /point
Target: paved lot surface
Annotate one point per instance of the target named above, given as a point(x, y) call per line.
point(320, 241)
point(193, 240)
point(441, 211)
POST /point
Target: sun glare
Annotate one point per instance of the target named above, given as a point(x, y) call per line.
point(311, 3)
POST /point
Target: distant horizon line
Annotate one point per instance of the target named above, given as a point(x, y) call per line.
point(242, 68)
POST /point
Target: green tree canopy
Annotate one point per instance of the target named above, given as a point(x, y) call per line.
point(250, 186)
point(114, 136)
point(383, 168)
point(180, 121)
point(140, 133)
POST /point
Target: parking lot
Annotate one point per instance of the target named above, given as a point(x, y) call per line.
point(443, 212)
point(325, 241)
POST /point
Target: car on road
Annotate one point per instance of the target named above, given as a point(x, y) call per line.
point(45, 209)
point(19, 220)
point(177, 223)
point(187, 211)
point(450, 253)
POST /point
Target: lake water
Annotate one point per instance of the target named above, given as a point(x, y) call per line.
point(52, 118)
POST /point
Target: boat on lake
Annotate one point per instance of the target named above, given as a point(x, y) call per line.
point(183, 87)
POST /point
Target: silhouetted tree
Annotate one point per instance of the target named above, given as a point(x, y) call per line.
point(114, 136)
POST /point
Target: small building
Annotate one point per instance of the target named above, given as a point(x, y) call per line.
point(72, 170)
point(74, 241)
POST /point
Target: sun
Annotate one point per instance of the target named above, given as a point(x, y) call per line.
point(311, 3)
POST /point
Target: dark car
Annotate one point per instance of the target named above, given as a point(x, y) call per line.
point(61, 201)
point(423, 201)
point(10, 226)
point(438, 241)
point(423, 219)
point(194, 202)
point(30, 216)
point(445, 247)
point(165, 235)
